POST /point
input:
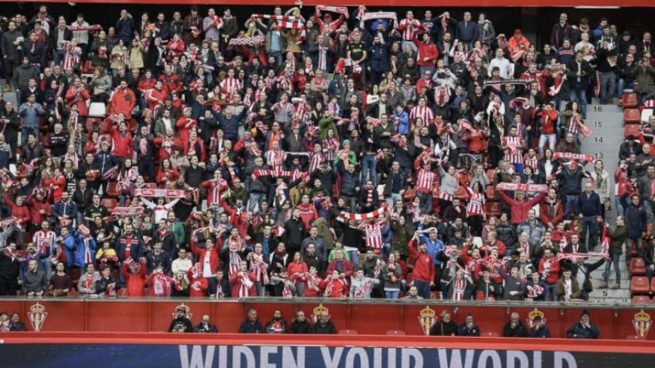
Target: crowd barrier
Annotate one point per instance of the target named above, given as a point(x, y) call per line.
point(362, 317)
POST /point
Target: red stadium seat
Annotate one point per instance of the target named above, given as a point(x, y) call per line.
point(640, 299)
point(631, 116)
point(631, 130)
point(110, 203)
point(637, 267)
point(347, 332)
point(629, 100)
point(396, 332)
point(639, 285)
point(479, 295)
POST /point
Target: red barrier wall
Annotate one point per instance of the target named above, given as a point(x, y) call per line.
point(417, 3)
point(366, 318)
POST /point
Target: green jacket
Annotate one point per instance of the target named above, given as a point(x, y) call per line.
point(617, 238)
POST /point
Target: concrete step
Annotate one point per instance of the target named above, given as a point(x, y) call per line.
point(610, 296)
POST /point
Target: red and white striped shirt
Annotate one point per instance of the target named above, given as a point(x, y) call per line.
point(425, 181)
point(230, 86)
point(513, 154)
point(475, 207)
point(44, 241)
point(409, 28)
point(373, 235)
point(315, 161)
point(459, 286)
point(532, 162)
point(275, 159)
point(422, 112)
point(574, 126)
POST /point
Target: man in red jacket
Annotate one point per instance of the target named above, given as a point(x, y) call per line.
point(549, 270)
point(78, 95)
point(551, 210)
point(549, 118)
point(423, 267)
point(121, 140)
point(123, 100)
point(427, 53)
point(520, 206)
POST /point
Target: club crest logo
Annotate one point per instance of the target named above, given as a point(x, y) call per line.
point(318, 311)
point(427, 318)
point(536, 314)
point(185, 308)
point(37, 316)
point(642, 323)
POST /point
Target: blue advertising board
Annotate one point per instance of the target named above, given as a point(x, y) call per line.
point(273, 356)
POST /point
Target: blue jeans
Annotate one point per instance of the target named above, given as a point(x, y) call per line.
point(569, 205)
point(623, 85)
point(426, 202)
point(551, 139)
point(550, 292)
point(614, 261)
point(590, 224)
point(607, 86)
point(369, 163)
point(391, 294)
point(255, 199)
point(423, 289)
point(580, 96)
point(354, 258)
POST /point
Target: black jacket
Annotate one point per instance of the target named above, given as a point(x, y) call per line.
point(444, 329)
point(298, 327)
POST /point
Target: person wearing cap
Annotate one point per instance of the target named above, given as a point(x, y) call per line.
point(584, 329)
point(181, 322)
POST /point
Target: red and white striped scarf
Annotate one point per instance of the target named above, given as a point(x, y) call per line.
point(258, 267)
point(361, 216)
point(459, 286)
point(294, 175)
point(316, 160)
point(246, 284)
point(373, 235)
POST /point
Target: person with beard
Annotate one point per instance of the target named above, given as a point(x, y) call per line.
point(181, 322)
point(277, 325)
point(444, 327)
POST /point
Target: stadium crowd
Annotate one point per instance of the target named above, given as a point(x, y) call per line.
point(336, 152)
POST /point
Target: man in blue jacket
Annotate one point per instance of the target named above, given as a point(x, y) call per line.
point(434, 246)
point(590, 211)
point(583, 329)
point(467, 31)
point(229, 123)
